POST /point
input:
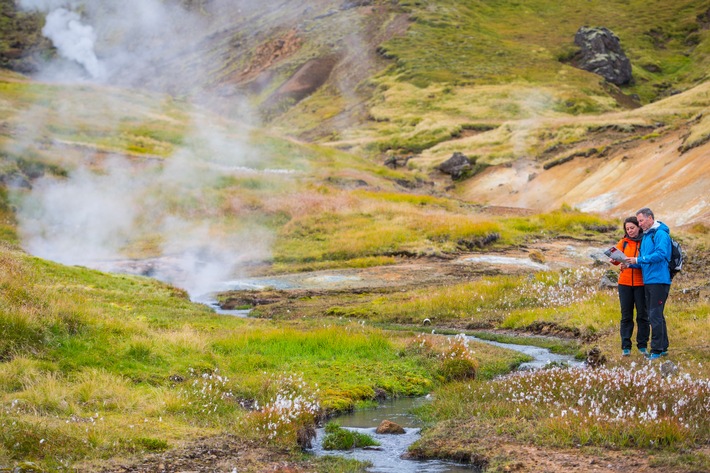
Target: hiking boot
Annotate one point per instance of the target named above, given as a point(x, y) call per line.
point(643, 351)
point(625, 352)
point(653, 356)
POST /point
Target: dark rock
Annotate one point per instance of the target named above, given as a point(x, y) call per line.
point(607, 282)
point(355, 3)
point(346, 183)
point(394, 162)
point(668, 368)
point(704, 20)
point(456, 166)
point(380, 395)
point(601, 54)
point(15, 179)
point(471, 244)
point(652, 68)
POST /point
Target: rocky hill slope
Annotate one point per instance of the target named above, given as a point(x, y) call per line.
point(411, 83)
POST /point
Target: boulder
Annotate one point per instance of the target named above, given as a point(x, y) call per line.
point(601, 54)
point(389, 427)
point(456, 165)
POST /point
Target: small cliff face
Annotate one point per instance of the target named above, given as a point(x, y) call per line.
point(649, 173)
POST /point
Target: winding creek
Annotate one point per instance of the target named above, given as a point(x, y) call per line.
point(390, 455)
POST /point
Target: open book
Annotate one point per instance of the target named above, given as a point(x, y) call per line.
point(616, 254)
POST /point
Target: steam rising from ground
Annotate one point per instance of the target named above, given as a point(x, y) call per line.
point(95, 214)
point(93, 217)
point(74, 40)
point(113, 42)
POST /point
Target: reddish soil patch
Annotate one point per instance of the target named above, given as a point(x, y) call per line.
point(269, 54)
point(305, 81)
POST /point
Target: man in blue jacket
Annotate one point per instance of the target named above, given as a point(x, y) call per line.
point(653, 259)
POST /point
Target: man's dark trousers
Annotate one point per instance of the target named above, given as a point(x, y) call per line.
point(656, 296)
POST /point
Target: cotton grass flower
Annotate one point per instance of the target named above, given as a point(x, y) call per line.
point(611, 406)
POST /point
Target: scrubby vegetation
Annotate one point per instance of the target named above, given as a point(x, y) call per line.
point(97, 365)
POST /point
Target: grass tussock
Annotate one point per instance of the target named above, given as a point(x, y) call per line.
point(338, 438)
point(699, 133)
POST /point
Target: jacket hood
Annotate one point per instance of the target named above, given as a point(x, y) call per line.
point(658, 225)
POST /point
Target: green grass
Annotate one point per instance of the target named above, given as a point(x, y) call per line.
point(135, 364)
point(496, 42)
point(384, 225)
point(499, 62)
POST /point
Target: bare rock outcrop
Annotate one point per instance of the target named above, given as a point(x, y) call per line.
point(601, 53)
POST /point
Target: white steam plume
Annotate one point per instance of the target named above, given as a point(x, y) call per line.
point(115, 42)
point(92, 217)
point(73, 40)
point(83, 219)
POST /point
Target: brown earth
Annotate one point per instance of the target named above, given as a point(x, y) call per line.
point(627, 176)
point(313, 292)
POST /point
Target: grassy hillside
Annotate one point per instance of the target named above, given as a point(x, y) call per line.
point(97, 366)
point(464, 65)
point(216, 164)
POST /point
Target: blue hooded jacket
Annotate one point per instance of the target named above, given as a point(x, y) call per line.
point(655, 254)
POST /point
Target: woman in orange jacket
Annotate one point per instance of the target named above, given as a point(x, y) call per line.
point(631, 291)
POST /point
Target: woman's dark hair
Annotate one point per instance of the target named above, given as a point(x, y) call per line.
point(633, 220)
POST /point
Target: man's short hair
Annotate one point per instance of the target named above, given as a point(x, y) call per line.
point(646, 212)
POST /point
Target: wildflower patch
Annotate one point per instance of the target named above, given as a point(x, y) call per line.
point(618, 407)
point(290, 416)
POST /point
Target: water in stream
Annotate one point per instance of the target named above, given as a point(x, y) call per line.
point(388, 457)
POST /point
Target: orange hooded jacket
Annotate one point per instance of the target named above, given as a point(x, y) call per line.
point(630, 276)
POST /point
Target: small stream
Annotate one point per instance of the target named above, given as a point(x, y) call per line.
point(388, 457)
